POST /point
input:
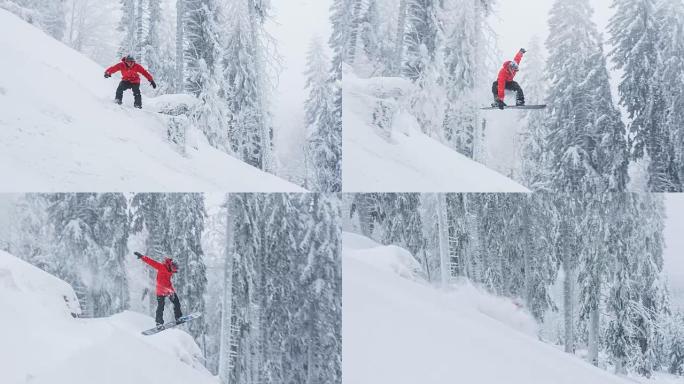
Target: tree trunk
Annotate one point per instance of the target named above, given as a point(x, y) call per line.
point(594, 325)
point(227, 310)
point(443, 239)
point(354, 28)
point(364, 215)
point(568, 298)
point(180, 52)
point(139, 31)
point(399, 39)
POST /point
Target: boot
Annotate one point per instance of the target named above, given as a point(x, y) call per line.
point(520, 103)
point(118, 101)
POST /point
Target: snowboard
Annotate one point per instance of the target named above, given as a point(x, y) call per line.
point(542, 106)
point(171, 324)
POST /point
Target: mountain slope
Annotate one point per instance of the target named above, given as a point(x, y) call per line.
point(43, 343)
point(60, 130)
point(398, 329)
point(402, 158)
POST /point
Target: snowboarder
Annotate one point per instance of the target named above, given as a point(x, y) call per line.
point(165, 289)
point(129, 79)
point(505, 81)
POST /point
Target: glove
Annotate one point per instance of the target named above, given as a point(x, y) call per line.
point(153, 84)
point(138, 254)
point(107, 75)
point(523, 50)
point(500, 104)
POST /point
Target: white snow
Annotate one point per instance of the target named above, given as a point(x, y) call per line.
point(42, 342)
point(402, 159)
point(60, 130)
point(398, 330)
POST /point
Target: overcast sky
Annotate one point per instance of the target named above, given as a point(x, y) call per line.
point(517, 22)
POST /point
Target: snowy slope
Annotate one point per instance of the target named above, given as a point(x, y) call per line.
point(401, 330)
point(407, 160)
point(60, 130)
point(43, 343)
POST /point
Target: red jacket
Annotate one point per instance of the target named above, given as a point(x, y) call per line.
point(164, 274)
point(129, 74)
point(506, 75)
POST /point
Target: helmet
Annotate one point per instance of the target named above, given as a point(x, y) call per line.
point(130, 58)
point(171, 265)
point(513, 66)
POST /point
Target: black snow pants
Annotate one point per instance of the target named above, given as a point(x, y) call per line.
point(511, 86)
point(125, 85)
point(160, 307)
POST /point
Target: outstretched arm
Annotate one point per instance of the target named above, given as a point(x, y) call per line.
point(154, 264)
point(519, 56)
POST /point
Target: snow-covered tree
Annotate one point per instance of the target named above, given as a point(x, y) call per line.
point(324, 136)
point(586, 134)
point(534, 156)
point(462, 24)
point(49, 15)
point(246, 84)
point(636, 37)
point(671, 75)
point(286, 292)
point(91, 235)
point(421, 37)
point(180, 46)
point(128, 28)
point(157, 51)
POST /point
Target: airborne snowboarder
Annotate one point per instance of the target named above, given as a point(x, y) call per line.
point(129, 79)
point(505, 81)
point(165, 289)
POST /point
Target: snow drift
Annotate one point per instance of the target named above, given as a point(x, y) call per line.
point(398, 330)
point(60, 130)
point(43, 340)
point(385, 150)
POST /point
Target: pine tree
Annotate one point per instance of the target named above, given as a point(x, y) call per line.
point(186, 216)
point(535, 158)
point(324, 139)
point(635, 35)
point(671, 47)
point(341, 20)
point(91, 231)
point(157, 53)
point(421, 37)
point(676, 353)
point(49, 15)
point(200, 32)
point(53, 18)
point(128, 28)
point(286, 295)
point(587, 137)
point(244, 73)
point(462, 23)
point(180, 46)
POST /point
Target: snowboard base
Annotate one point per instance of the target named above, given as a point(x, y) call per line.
point(171, 324)
point(541, 106)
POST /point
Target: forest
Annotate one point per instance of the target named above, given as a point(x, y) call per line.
point(264, 269)
point(588, 269)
